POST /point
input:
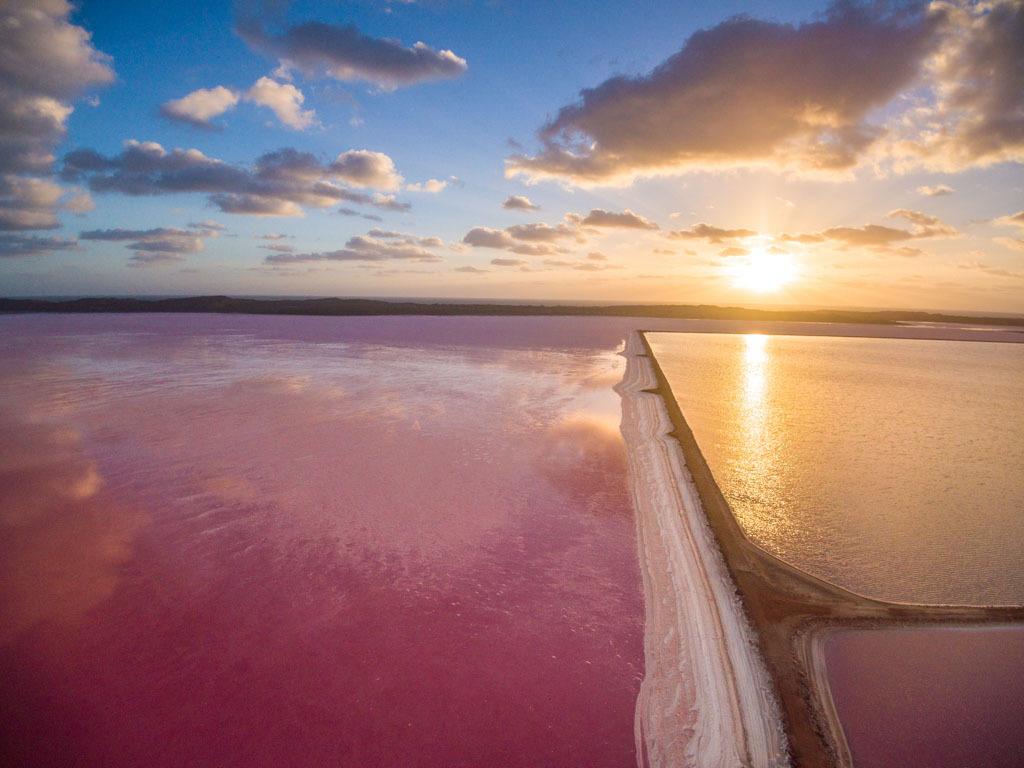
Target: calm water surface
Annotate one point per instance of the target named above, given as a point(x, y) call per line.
point(930, 698)
point(894, 467)
point(315, 541)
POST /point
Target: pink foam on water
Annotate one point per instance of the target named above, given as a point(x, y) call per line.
point(315, 541)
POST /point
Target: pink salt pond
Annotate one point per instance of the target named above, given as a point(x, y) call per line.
point(930, 698)
point(315, 541)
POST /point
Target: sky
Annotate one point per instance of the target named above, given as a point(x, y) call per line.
point(793, 154)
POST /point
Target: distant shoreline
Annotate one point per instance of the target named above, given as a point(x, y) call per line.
point(379, 307)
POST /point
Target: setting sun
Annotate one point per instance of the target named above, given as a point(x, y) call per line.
point(763, 272)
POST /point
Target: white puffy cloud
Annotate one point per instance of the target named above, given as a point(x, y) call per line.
point(364, 168)
point(430, 186)
point(284, 100)
point(937, 190)
point(201, 106)
point(45, 63)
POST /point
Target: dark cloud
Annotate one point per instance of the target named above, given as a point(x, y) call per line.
point(710, 233)
point(543, 233)
point(625, 220)
point(345, 53)
point(14, 246)
point(154, 259)
point(744, 93)
point(369, 249)
point(280, 183)
point(519, 203)
point(879, 236)
point(159, 245)
point(978, 114)
point(485, 237)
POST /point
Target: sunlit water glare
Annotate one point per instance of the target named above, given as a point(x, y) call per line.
point(890, 466)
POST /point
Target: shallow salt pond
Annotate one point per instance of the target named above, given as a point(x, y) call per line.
point(315, 541)
point(930, 698)
point(892, 467)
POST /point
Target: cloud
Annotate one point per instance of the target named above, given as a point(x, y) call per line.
point(733, 250)
point(284, 100)
point(1013, 243)
point(363, 168)
point(519, 203)
point(879, 236)
point(28, 203)
point(352, 212)
point(485, 237)
point(201, 106)
point(345, 53)
point(710, 233)
point(387, 234)
point(625, 220)
point(280, 183)
point(46, 63)
point(935, 191)
point(154, 259)
point(583, 266)
point(744, 93)
point(16, 246)
point(1013, 220)
point(471, 270)
point(160, 245)
point(79, 203)
point(975, 116)
point(538, 239)
point(544, 233)
point(925, 225)
point(369, 249)
point(278, 248)
point(597, 256)
point(508, 262)
point(870, 235)
point(430, 186)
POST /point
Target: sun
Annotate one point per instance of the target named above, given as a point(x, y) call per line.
point(761, 271)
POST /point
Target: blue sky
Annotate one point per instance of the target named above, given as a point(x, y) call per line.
point(859, 232)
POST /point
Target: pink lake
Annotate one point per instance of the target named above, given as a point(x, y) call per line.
point(930, 698)
point(312, 541)
point(294, 541)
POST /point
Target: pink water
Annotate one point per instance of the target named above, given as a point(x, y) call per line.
point(930, 698)
point(315, 541)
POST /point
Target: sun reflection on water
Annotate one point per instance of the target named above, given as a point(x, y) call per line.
point(757, 453)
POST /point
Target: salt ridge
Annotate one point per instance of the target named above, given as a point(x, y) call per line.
point(706, 700)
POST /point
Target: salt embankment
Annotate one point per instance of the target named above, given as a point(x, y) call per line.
point(706, 700)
